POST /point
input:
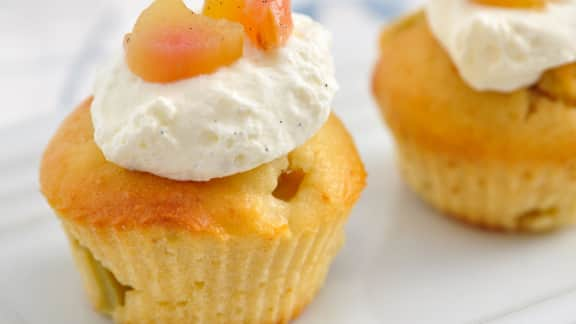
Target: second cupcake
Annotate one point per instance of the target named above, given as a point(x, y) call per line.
point(481, 97)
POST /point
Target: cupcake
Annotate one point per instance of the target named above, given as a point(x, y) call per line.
point(480, 98)
point(206, 180)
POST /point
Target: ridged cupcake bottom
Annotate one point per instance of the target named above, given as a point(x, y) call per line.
point(169, 277)
point(510, 196)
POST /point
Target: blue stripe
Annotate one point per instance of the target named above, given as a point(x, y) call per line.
point(381, 8)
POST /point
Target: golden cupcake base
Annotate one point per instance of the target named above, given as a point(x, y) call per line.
point(502, 196)
point(167, 277)
point(254, 247)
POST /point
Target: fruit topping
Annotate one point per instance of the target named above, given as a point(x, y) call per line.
point(170, 42)
point(517, 4)
point(268, 23)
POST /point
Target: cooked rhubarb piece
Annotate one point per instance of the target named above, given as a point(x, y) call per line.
point(169, 43)
point(559, 84)
point(268, 23)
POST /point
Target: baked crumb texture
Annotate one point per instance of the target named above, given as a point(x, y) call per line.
point(250, 248)
point(505, 161)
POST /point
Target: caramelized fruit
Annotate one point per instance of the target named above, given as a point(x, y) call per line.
point(169, 43)
point(560, 83)
point(519, 4)
point(268, 23)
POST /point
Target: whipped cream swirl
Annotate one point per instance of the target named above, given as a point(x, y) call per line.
point(504, 49)
point(244, 115)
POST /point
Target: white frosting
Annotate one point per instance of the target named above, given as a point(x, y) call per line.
point(210, 126)
point(504, 49)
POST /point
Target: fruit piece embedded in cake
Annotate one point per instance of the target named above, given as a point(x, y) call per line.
point(528, 4)
point(170, 42)
point(559, 84)
point(268, 23)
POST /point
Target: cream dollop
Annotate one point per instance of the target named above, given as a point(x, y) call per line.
point(504, 49)
point(244, 115)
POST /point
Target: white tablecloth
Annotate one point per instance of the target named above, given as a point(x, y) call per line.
point(50, 49)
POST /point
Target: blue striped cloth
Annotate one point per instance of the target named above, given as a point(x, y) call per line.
point(382, 8)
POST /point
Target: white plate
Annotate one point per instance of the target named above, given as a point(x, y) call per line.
point(402, 263)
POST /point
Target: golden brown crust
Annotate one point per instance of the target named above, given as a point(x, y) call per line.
point(425, 100)
point(83, 187)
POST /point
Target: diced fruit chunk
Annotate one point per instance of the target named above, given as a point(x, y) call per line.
point(560, 83)
point(527, 4)
point(230, 9)
point(169, 43)
point(268, 23)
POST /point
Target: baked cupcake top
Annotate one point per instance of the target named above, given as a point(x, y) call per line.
point(313, 184)
point(426, 101)
point(191, 100)
point(266, 97)
point(504, 45)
